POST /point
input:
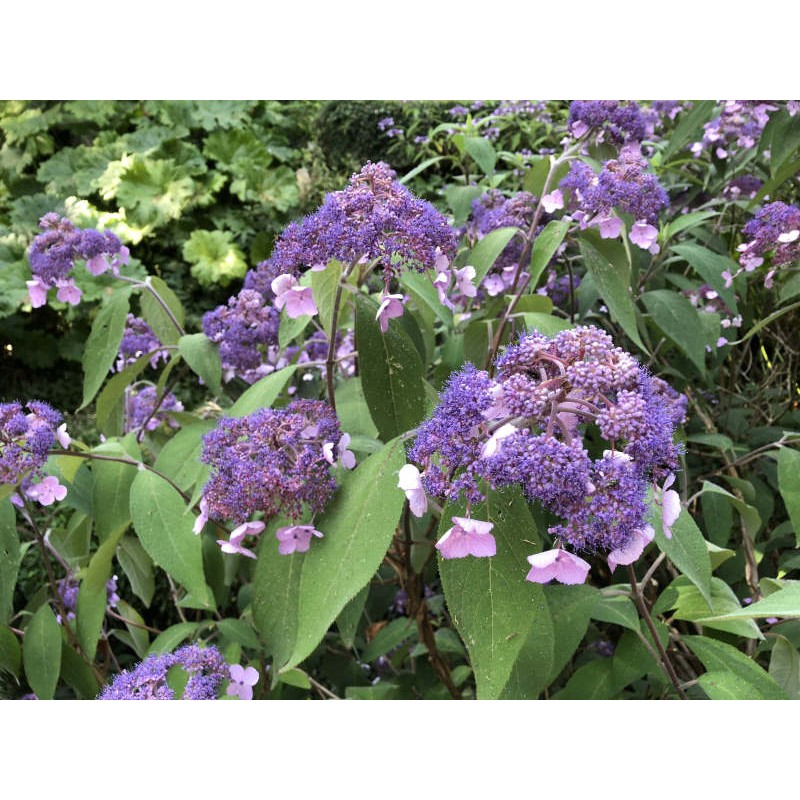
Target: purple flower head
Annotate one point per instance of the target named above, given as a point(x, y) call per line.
point(137, 340)
point(739, 126)
point(26, 439)
point(271, 461)
point(774, 233)
point(374, 218)
point(140, 409)
point(744, 187)
point(615, 121)
point(242, 681)
point(205, 666)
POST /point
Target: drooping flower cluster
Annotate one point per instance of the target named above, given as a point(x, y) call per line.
point(557, 288)
point(739, 126)
point(658, 113)
point(271, 461)
point(68, 595)
point(773, 232)
point(374, 218)
point(143, 409)
point(205, 666)
point(245, 330)
point(615, 121)
point(551, 403)
point(54, 252)
point(706, 299)
point(26, 439)
point(624, 185)
point(743, 187)
point(138, 339)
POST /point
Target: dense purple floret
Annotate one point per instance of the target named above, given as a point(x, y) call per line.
point(206, 668)
point(140, 405)
point(617, 121)
point(137, 340)
point(527, 427)
point(25, 439)
point(623, 184)
point(270, 461)
point(739, 125)
point(375, 217)
point(772, 224)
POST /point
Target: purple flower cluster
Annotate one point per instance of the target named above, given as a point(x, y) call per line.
point(245, 330)
point(774, 229)
point(26, 439)
point(705, 298)
point(140, 405)
point(205, 666)
point(658, 113)
point(739, 125)
point(271, 461)
point(745, 187)
point(532, 426)
point(557, 288)
point(389, 128)
point(68, 594)
point(616, 121)
point(374, 218)
point(137, 340)
point(54, 252)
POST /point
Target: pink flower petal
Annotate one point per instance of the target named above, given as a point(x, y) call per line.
point(565, 567)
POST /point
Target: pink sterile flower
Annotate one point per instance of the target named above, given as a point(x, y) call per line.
point(346, 458)
point(203, 516)
point(494, 284)
point(464, 278)
point(295, 538)
point(299, 300)
point(494, 443)
point(578, 129)
point(68, 292)
point(787, 238)
point(644, 236)
point(37, 291)
point(242, 681)
point(391, 307)
point(559, 564)
point(468, 537)
point(237, 537)
point(47, 491)
point(553, 201)
point(670, 503)
point(628, 554)
point(63, 437)
point(442, 284)
point(610, 227)
point(410, 481)
point(98, 264)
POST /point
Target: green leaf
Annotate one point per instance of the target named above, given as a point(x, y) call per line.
point(790, 289)
point(783, 603)
point(687, 221)
point(41, 653)
point(686, 549)
point(352, 410)
point(168, 640)
point(156, 315)
point(617, 610)
point(111, 487)
point(110, 404)
point(9, 558)
point(324, 285)
point(140, 639)
point(784, 666)
point(680, 321)
point(391, 373)
point(262, 394)
point(545, 324)
point(179, 459)
point(214, 257)
point(78, 674)
point(358, 527)
point(608, 265)
point(138, 568)
point(482, 152)
point(388, 637)
point(92, 594)
point(10, 653)
point(789, 485)
point(544, 248)
point(493, 607)
point(295, 677)
point(203, 359)
point(750, 515)
point(719, 685)
point(689, 127)
point(487, 251)
point(238, 630)
point(421, 288)
point(592, 681)
point(753, 683)
point(103, 343)
point(165, 531)
point(350, 616)
point(710, 266)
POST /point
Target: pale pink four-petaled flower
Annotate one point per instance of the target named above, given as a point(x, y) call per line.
point(553, 201)
point(295, 538)
point(298, 300)
point(345, 457)
point(495, 441)
point(391, 307)
point(557, 564)
point(631, 551)
point(236, 543)
point(670, 503)
point(410, 481)
point(47, 491)
point(467, 537)
point(645, 236)
point(242, 681)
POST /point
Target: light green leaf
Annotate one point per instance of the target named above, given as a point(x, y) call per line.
point(138, 568)
point(214, 257)
point(262, 394)
point(687, 221)
point(103, 343)
point(238, 630)
point(358, 527)
point(112, 485)
point(487, 251)
point(608, 265)
point(179, 459)
point(168, 640)
point(545, 324)
point(350, 616)
point(9, 558)
point(78, 674)
point(617, 610)
point(710, 266)
point(391, 373)
point(482, 151)
point(156, 315)
point(203, 359)
point(388, 637)
point(110, 404)
point(718, 657)
point(140, 639)
point(41, 652)
point(680, 321)
point(789, 485)
point(421, 288)
point(324, 285)
point(784, 666)
point(165, 531)
point(689, 127)
point(750, 515)
point(544, 248)
point(10, 653)
point(783, 603)
point(592, 681)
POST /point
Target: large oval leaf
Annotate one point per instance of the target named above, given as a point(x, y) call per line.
point(41, 653)
point(9, 558)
